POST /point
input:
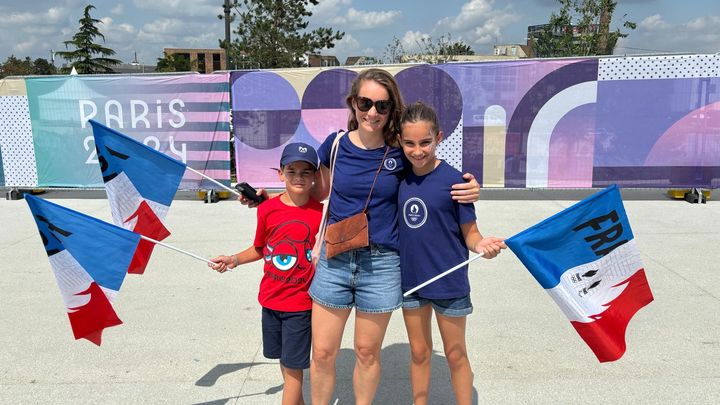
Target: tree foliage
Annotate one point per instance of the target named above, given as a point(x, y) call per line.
point(273, 33)
point(174, 62)
point(440, 50)
point(580, 28)
point(83, 58)
point(394, 51)
point(25, 67)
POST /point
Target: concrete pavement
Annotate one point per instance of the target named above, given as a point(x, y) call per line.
point(192, 336)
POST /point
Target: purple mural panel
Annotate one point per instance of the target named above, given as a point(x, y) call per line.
point(266, 109)
point(435, 88)
point(524, 115)
point(472, 152)
point(571, 149)
point(634, 114)
point(323, 105)
point(694, 140)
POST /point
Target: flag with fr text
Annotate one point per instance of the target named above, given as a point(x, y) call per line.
point(140, 183)
point(586, 259)
point(90, 259)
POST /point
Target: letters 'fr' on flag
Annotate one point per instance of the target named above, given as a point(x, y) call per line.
point(587, 260)
point(140, 183)
point(90, 259)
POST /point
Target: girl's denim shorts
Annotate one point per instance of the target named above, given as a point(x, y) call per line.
point(367, 278)
point(452, 307)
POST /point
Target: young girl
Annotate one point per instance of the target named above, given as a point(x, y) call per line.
point(435, 233)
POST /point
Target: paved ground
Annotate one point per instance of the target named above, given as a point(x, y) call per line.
point(191, 336)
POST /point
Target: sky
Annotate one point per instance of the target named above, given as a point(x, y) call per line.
point(34, 28)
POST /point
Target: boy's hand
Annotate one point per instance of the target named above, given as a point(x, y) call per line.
point(490, 246)
point(251, 203)
point(466, 193)
point(222, 263)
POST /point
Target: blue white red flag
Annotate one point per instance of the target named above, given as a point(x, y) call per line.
point(586, 259)
point(140, 183)
point(90, 259)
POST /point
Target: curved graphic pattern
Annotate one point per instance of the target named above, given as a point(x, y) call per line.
point(538, 141)
point(689, 142)
point(323, 105)
point(525, 114)
point(260, 121)
point(435, 88)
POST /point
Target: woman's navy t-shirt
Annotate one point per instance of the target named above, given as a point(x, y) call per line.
point(354, 173)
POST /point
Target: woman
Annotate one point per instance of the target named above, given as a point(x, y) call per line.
point(365, 278)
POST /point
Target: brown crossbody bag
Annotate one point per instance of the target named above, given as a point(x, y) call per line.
point(350, 233)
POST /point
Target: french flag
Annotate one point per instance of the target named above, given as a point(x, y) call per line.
point(586, 259)
point(90, 259)
point(140, 183)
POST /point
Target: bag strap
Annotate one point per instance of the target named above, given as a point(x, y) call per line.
point(377, 173)
point(326, 206)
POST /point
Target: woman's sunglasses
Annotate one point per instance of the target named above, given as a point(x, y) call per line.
point(364, 104)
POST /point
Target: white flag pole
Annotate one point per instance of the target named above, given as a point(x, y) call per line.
point(213, 180)
point(157, 242)
point(443, 274)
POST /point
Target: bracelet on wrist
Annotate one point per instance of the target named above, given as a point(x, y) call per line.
point(235, 261)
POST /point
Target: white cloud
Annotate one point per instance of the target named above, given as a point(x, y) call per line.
point(412, 40)
point(196, 8)
point(710, 22)
point(478, 23)
point(346, 46)
point(327, 10)
point(654, 34)
point(118, 10)
point(364, 20)
point(654, 22)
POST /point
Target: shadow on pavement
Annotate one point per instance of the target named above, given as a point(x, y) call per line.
point(395, 382)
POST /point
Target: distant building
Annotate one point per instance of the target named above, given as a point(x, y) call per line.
point(322, 60)
point(434, 59)
point(206, 60)
point(513, 50)
point(133, 67)
point(361, 60)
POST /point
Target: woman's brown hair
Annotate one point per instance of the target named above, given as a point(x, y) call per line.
point(385, 79)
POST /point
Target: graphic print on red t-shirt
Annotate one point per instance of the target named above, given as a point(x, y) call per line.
point(287, 235)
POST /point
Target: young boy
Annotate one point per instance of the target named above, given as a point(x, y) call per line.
point(435, 234)
point(284, 238)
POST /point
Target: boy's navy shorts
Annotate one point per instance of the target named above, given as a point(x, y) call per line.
point(286, 336)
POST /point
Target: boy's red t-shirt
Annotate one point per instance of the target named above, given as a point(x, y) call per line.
point(286, 235)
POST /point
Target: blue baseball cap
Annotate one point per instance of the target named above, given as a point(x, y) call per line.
point(299, 152)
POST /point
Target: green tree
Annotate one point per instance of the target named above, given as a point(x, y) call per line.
point(16, 67)
point(43, 67)
point(83, 57)
point(25, 67)
point(440, 50)
point(273, 33)
point(458, 48)
point(174, 62)
point(394, 51)
point(580, 28)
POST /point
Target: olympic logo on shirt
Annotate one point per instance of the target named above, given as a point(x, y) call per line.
point(414, 212)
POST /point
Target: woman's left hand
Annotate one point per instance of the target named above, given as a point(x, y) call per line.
point(466, 193)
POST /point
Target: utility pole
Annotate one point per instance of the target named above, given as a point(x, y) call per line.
point(226, 8)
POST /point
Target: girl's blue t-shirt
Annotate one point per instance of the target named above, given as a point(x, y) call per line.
point(355, 170)
point(431, 240)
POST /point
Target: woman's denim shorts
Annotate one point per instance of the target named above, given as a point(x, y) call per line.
point(366, 278)
point(452, 307)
